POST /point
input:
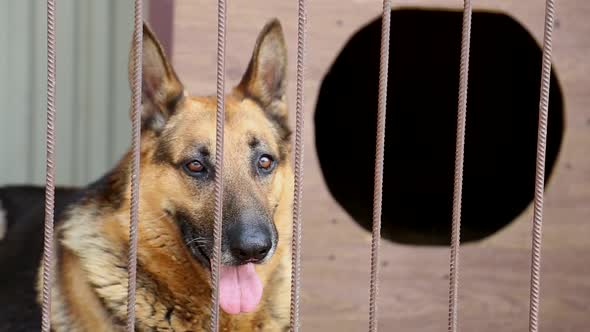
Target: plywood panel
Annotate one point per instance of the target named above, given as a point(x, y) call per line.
point(414, 280)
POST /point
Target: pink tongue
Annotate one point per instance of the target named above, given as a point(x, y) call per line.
point(240, 288)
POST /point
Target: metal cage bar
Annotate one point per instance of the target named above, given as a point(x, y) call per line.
point(459, 157)
point(50, 172)
point(135, 168)
point(379, 161)
point(220, 116)
point(540, 168)
point(299, 152)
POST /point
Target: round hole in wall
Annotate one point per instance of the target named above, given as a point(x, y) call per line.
point(501, 133)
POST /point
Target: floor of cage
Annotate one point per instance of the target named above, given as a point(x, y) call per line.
point(494, 275)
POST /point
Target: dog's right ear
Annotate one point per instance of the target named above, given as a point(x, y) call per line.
point(265, 79)
point(161, 88)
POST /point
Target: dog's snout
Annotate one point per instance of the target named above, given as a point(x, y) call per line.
point(249, 242)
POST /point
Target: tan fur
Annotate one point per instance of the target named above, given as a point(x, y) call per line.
point(173, 289)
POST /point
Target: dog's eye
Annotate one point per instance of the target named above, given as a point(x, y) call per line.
point(194, 167)
point(265, 162)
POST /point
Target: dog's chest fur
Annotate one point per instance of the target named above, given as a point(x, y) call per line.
point(91, 290)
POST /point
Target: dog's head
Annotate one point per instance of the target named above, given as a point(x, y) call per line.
point(178, 161)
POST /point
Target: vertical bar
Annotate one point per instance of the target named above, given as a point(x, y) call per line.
point(299, 151)
point(136, 136)
point(50, 171)
point(459, 157)
point(540, 168)
point(220, 117)
point(379, 161)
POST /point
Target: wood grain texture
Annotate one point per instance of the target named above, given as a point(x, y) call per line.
point(414, 280)
point(161, 16)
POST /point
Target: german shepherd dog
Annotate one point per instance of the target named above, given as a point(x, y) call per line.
point(175, 235)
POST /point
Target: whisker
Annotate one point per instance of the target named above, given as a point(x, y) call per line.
point(198, 240)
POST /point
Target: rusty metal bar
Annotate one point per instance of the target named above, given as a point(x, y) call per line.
point(50, 171)
point(459, 157)
point(540, 168)
point(299, 152)
point(379, 161)
point(216, 257)
point(135, 167)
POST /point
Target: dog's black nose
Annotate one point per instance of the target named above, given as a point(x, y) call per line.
point(249, 242)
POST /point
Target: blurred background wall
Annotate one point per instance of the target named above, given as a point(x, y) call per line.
point(93, 128)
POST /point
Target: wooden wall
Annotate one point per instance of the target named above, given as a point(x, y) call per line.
point(414, 280)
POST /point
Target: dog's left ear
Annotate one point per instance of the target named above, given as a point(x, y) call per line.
point(161, 88)
point(265, 79)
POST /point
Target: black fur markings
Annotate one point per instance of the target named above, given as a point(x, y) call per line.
point(173, 102)
point(253, 142)
point(168, 315)
point(189, 235)
point(109, 189)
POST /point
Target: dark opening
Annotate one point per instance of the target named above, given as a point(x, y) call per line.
point(501, 134)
